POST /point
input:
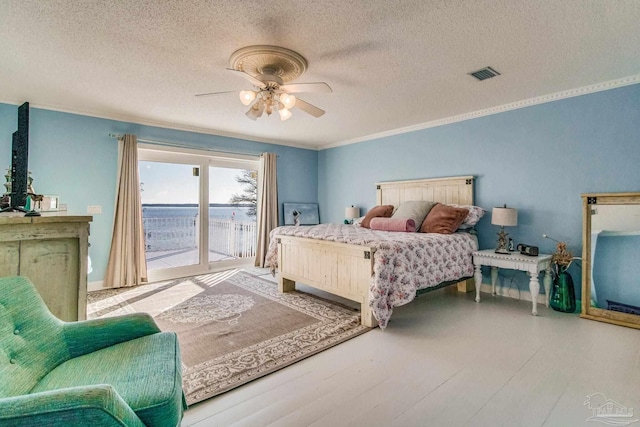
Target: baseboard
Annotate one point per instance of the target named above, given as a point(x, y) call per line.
point(95, 286)
point(513, 292)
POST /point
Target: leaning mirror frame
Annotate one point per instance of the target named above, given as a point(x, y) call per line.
point(590, 202)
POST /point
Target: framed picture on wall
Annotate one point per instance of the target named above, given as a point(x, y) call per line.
point(301, 213)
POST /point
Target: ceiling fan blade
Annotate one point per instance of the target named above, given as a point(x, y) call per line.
point(308, 108)
point(216, 93)
point(318, 87)
point(253, 80)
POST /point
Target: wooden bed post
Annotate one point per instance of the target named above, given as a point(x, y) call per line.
point(286, 285)
point(367, 318)
point(467, 285)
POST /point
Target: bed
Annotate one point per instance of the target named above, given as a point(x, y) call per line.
point(358, 271)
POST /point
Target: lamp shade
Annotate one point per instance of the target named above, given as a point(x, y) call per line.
point(506, 217)
point(352, 212)
point(288, 100)
point(247, 96)
point(284, 114)
point(256, 110)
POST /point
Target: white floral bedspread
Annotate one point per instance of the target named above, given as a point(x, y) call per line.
point(404, 262)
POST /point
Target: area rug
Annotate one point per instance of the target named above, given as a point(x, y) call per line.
point(233, 327)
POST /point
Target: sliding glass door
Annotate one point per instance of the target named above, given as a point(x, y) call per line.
point(170, 194)
point(199, 211)
point(232, 213)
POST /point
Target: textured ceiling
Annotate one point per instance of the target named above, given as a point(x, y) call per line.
point(391, 64)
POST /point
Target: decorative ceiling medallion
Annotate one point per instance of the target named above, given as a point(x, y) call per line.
point(270, 60)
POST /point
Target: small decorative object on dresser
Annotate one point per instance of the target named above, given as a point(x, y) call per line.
point(48, 204)
point(504, 217)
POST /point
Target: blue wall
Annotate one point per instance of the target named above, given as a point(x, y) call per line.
point(537, 159)
point(72, 156)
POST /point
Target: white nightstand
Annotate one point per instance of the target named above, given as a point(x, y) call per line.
point(514, 261)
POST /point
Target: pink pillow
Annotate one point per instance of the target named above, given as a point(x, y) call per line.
point(384, 211)
point(393, 224)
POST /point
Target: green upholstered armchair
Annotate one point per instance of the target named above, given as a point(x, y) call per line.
point(116, 371)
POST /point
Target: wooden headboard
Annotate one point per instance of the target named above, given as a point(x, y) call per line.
point(456, 190)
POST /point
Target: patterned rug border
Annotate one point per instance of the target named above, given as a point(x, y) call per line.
point(335, 324)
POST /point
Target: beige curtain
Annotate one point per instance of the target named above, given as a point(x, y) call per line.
point(267, 204)
point(127, 264)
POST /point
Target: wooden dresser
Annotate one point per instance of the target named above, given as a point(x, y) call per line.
point(51, 250)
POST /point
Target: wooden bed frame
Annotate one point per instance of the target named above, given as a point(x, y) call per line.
point(345, 269)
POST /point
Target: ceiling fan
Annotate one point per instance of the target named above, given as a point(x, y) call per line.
point(270, 69)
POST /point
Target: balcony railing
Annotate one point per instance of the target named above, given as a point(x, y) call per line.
point(226, 236)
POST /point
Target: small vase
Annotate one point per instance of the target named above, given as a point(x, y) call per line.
point(563, 296)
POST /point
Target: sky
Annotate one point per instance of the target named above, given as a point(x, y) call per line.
point(175, 183)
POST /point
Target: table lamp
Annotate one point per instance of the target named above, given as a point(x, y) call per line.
point(350, 213)
point(504, 217)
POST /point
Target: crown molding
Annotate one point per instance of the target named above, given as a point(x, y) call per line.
point(164, 125)
point(599, 87)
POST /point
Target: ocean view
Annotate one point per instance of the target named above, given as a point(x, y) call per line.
point(174, 228)
point(189, 211)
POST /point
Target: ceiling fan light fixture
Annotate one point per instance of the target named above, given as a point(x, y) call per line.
point(256, 110)
point(287, 100)
point(285, 114)
point(268, 106)
point(270, 69)
point(247, 96)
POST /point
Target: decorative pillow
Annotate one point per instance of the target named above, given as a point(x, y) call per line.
point(383, 211)
point(416, 210)
point(443, 219)
point(475, 213)
point(393, 224)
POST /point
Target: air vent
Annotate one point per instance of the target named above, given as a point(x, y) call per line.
point(485, 73)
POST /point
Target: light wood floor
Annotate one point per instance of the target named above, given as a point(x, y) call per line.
point(445, 360)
